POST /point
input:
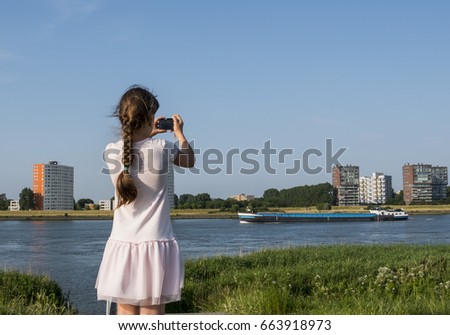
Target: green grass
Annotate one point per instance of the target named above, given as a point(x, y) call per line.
point(344, 279)
point(28, 294)
point(339, 279)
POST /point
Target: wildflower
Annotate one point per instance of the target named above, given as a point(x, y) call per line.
point(362, 280)
point(383, 269)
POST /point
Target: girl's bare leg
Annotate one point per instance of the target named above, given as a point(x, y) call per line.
point(124, 309)
point(152, 310)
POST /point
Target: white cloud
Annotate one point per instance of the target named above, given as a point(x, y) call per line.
point(7, 56)
point(72, 10)
point(329, 122)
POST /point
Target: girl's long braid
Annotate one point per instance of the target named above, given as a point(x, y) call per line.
point(136, 108)
point(127, 136)
point(125, 185)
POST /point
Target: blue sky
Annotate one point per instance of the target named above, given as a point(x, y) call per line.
point(373, 76)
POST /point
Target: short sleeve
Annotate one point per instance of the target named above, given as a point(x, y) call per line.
point(172, 150)
point(112, 157)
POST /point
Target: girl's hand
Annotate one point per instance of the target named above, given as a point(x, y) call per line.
point(178, 126)
point(155, 130)
point(186, 156)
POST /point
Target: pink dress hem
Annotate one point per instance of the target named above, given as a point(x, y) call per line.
point(141, 274)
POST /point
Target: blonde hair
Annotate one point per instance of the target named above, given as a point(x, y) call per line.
point(136, 108)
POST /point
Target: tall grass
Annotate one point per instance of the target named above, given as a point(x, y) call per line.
point(25, 293)
point(344, 279)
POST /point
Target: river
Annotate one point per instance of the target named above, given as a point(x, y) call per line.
point(70, 251)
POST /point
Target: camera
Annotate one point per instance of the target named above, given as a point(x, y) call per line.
point(165, 124)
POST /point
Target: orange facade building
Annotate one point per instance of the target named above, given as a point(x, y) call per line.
point(38, 186)
point(53, 186)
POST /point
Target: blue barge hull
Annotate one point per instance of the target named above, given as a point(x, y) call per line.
point(306, 217)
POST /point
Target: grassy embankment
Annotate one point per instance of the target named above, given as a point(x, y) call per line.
point(25, 293)
point(105, 215)
point(199, 213)
point(343, 279)
point(55, 215)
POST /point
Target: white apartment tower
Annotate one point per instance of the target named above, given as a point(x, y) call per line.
point(375, 189)
point(53, 186)
point(171, 185)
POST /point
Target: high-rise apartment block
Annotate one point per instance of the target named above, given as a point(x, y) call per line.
point(171, 186)
point(53, 186)
point(346, 184)
point(375, 189)
point(424, 183)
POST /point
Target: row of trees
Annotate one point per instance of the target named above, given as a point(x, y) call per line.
point(300, 196)
point(322, 196)
point(204, 201)
point(26, 201)
point(4, 202)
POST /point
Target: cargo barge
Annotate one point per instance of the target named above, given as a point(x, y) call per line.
point(273, 217)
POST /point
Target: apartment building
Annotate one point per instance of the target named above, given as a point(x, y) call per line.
point(14, 205)
point(243, 197)
point(424, 183)
point(106, 205)
point(171, 186)
point(345, 180)
point(53, 186)
point(375, 189)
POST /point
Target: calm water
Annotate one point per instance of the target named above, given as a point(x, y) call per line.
point(70, 251)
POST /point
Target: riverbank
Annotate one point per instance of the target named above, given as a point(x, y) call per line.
point(309, 280)
point(201, 213)
point(106, 215)
point(55, 215)
point(31, 294)
point(318, 280)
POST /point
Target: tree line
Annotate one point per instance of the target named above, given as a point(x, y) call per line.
point(26, 201)
point(321, 196)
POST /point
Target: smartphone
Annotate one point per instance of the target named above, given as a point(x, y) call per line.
point(165, 124)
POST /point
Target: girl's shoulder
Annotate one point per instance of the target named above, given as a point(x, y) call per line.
point(114, 145)
point(148, 142)
point(154, 143)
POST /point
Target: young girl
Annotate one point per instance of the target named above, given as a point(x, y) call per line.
point(141, 269)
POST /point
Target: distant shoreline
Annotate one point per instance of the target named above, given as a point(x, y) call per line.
point(103, 215)
point(197, 213)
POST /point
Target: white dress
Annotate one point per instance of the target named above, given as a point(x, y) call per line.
point(141, 263)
